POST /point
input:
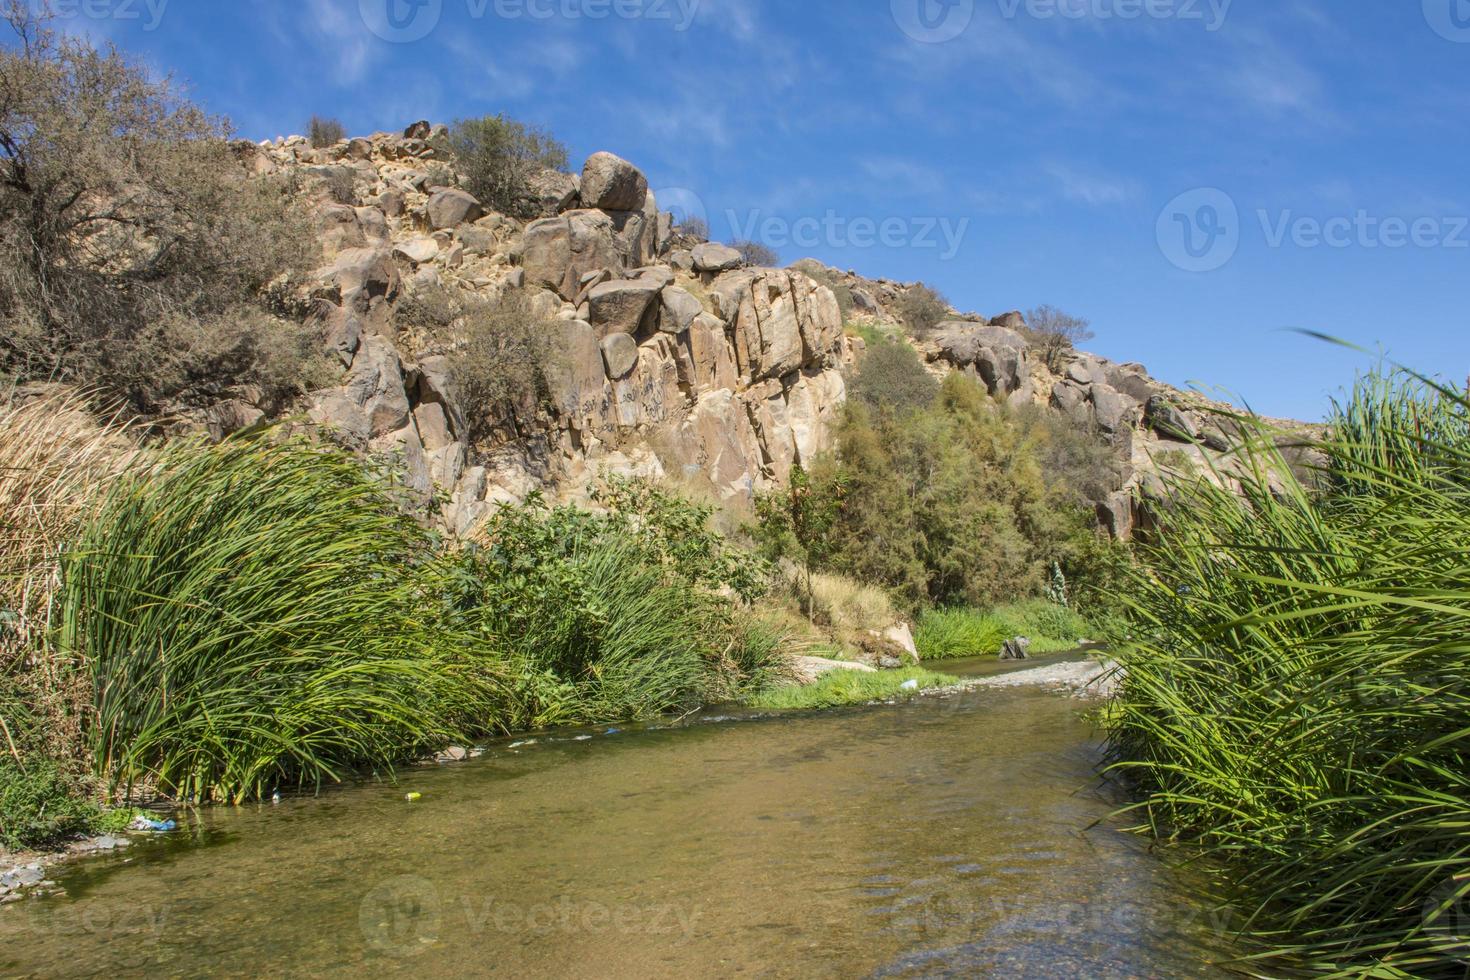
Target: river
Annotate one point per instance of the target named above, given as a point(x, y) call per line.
point(953, 836)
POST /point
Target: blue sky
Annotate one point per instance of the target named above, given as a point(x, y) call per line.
point(1013, 152)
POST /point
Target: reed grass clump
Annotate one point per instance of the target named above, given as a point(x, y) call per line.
point(253, 615)
point(1296, 701)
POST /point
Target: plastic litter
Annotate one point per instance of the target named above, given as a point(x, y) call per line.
point(152, 826)
point(909, 686)
point(414, 797)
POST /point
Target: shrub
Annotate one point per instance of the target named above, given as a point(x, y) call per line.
point(39, 805)
point(851, 606)
point(946, 634)
point(693, 228)
point(608, 617)
point(1294, 702)
point(1055, 333)
point(922, 309)
point(121, 205)
point(251, 617)
point(498, 156)
point(501, 354)
point(892, 377)
point(325, 132)
point(757, 254)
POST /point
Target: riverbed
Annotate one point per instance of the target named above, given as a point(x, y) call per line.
point(944, 836)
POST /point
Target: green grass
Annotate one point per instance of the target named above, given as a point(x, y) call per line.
point(40, 806)
point(845, 687)
point(949, 634)
point(1296, 706)
point(252, 616)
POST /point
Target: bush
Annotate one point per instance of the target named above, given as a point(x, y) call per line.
point(325, 132)
point(501, 354)
point(1055, 333)
point(610, 617)
point(1294, 702)
point(498, 156)
point(251, 617)
point(693, 228)
point(40, 806)
point(121, 206)
point(892, 377)
point(922, 309)
point(757, 254)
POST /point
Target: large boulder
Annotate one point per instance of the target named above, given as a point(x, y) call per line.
point(451, 208)
point(780, 321)
point(636, 233)
point(1114, 411)
point(714, 258)
point(418, 251)
point(622, 305)
point(620, 353)
point(552, 192)
point(678, 310)
point(1013, 320)
point(612, 184)
point(560, 252)
point(713, 361)
point(1165, 418)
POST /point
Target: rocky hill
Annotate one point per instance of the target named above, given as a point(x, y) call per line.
point(675, 359)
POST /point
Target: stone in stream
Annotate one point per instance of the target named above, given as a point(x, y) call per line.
point(1016, 649)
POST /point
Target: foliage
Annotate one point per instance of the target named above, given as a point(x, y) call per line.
point(845, 687)
point(251, 616)
point(922, 308)
point(1055, 333)
point(950, 504)
point(613, 616)
point(501, 353)
point(757, 254)
point(40, 806)
point(1294, 703)
point(498, 156)
point(949, 633)
point(693, 227)
point(891, 377)
point(324, 132)
point(121, 206)
point(795, 524)
point(849, 606)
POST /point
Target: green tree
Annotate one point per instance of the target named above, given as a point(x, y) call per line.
point(498, 156)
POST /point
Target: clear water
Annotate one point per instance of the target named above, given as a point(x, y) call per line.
point(943, 837)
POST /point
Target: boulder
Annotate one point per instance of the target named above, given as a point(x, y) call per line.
point(391, 202)
point(1132, 380)
point(559, 252)
point(552, 192)
point(808, 670)
point(780, 321)
point(417, 131)
point(713, 361)
point(1116, 515)
point(612, 184)
point(714, 258)
point(419, 251)
point(678, 310)
point(1081, 373)
point(621, 306)
point(1018, 648)
point(1165, 418)
point(620, 354)
point(1114, 411)
point(862, 300)
point(451, 207)
point(1013, 320)
point(359, 149)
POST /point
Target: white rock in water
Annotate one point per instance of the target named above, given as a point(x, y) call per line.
point(910, 686)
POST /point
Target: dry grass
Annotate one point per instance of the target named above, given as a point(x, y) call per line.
point(55, 463)
point(847, 605)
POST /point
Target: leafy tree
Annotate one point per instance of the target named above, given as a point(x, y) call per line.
point(498, 156)
point(922, 309)
point(1056, 332)
point(122, 209)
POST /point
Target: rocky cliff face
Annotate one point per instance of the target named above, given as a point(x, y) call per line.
point(678, 363)
point(675, 361)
